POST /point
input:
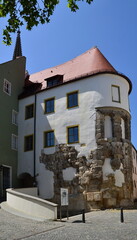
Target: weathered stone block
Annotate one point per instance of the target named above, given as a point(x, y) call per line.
point(94, 196)
point(97, 196)
point(126, 203)
point(106, 195)
point(90, 196)
point(110, 202)
point(98, 135)
point(115, 163)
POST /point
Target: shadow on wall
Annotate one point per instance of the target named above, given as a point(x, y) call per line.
point(25, 180)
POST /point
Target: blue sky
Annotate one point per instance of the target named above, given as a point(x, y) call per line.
point(110, 25)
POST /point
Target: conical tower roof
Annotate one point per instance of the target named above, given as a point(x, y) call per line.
point(18, 49)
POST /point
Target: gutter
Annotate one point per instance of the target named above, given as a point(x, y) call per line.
point(34, 157)
point(92, 74)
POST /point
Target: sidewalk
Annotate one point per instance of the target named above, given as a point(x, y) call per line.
point(100, 225)
point(14, 227)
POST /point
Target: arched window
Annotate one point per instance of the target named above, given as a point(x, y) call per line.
point(108, 127)
point(123, 128)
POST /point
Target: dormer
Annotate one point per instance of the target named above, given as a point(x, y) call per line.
point(54, 80)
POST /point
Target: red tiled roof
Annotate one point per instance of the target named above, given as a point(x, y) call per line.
point(89, 63)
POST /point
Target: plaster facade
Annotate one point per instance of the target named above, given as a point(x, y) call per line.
point(98, 169)
point(12, 76)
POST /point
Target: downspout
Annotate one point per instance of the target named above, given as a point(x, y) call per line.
point(34, 170)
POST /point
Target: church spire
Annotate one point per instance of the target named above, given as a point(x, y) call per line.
point(18, 49)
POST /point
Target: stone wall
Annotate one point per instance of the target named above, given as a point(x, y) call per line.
point(92, 186)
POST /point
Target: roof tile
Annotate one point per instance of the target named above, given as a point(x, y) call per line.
point(89, 62)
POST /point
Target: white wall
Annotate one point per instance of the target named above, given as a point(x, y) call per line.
point(69, 173)
point(93, 92)
point(45, 180)
point(118, 175)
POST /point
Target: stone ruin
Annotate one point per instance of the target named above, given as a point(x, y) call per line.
point(88, 189)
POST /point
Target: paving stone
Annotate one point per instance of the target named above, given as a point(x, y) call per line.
point(100, 225)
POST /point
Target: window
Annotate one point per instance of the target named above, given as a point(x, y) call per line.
point(49, 105)
point(14, 117)
point(115, 93)
point(73, 134)
point(123, 128)
point(29, 111)
point(72, 99)
point(108, 127)
point(54, 80)
point(7, 87)
point(49, 140)
point(14, 142)
point(28, 143)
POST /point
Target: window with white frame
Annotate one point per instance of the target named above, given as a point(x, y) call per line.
point(14, 142)
point(14, 117)
point(7, 87)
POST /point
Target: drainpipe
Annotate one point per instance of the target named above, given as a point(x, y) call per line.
point(34, 170)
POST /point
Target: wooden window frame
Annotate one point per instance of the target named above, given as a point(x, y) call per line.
point(74, 126)
point(72, 93)
point(30, 149)
point(47, 100)
point(54, 80)
point(45, 140)
point(26, 107)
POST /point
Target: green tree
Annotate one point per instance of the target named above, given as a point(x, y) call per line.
point(29, 13)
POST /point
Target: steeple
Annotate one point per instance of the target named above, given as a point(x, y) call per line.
point(18, 49)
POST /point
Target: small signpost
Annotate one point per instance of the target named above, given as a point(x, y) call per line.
point(64, 200)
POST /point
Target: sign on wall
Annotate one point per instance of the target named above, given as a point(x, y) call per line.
point(64, 196)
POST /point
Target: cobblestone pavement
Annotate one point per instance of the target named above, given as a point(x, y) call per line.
point(100, 225)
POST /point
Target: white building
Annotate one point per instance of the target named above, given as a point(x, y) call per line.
point(74, 132)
